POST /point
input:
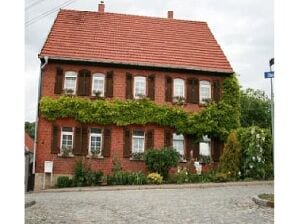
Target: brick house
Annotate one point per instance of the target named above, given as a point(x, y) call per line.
point(125, 57)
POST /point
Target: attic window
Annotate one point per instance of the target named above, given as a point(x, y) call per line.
point(70, 82)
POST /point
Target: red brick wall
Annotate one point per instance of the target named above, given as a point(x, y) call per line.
point(66, 165)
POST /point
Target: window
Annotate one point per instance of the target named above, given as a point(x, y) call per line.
point(98, 84)
point(139, 87)
point(66, 138)
point(205, 146)
point(70, 82)
point(178, 143)
point(138, 141)
point(205, 91)
point(95, 141)
point(178, 88)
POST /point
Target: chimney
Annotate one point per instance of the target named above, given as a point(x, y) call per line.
point(170, 14)
point(101, 7)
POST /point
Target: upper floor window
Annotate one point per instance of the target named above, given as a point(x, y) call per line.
point(178, 88)
point(139, 87)
point(95, 141)
point(205, 146)
point(178, 143)
point(66, 138)
point(98, 84)
point(138, 141)
point(70, 82)
point(205, 91)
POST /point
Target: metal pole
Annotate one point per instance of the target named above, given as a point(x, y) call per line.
point(272, 115)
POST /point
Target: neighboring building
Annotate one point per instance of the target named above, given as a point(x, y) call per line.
point(125, 57)
point(29, 176)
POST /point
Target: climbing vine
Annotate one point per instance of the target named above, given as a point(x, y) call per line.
point(216, 120)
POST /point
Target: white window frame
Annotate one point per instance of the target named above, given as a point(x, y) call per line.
point(205, 84)
point(101, 141)
point(138, 137)
point(178, 82)
point(98, 76)
point(206, 140)
point(66, 133)
point(71, 74)
point(180, 137)
point(139, 79)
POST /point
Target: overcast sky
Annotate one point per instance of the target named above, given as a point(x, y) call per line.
point(244, 30)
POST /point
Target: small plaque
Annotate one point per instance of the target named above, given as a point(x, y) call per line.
point(48, 166)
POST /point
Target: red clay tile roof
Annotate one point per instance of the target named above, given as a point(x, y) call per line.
point(29, 143)
point(130, 39)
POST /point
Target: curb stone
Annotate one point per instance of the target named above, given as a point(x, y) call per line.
point(29, 203)
point(263, 202)
point(163, 186)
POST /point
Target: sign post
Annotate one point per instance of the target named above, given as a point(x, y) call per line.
point(48, 168)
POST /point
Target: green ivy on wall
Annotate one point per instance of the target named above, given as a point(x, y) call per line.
point(216, 120)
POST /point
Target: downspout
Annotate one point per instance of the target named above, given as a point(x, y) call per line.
point(42, 65)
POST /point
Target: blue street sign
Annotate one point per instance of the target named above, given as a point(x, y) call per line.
point(269, 75)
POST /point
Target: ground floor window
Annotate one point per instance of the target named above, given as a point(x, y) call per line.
point(67, 138)
point(178, 143)
point(138, 141)
point(205, 146)
point(95, 141)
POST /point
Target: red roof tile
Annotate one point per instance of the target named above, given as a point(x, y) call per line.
point(29, 143)
point(130, 39)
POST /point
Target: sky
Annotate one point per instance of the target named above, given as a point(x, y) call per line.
point(244, 29)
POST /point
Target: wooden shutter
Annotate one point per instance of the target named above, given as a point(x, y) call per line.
point(77, 141)
point(106, 149)
point(126, 143)
point(109, 84)
point(191, 145)
point(168, 138)
point(58, 81)
point(149, 139)
point(196, 91)
point(216, 90)
point(189, 91)
point(169, 89)
point(129, 86)
point(215, 149)
point(84, 83)
point(85, 141)
point(151, 87)
point(55, 148)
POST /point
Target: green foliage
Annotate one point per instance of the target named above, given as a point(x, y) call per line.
point(221, 177)
point(216, 120)
point(230, 160)
point(256, 152)
point(127, 178)
point(255, 108)
point(64, 181)
point(161, 160)
point(154, 178)
point(180, 177)
point(30, 128)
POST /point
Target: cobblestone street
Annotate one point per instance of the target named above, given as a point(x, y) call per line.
point(228, 204)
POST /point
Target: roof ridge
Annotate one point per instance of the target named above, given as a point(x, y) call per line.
point(125, 14)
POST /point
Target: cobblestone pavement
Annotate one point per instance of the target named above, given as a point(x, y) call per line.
point(229, 204)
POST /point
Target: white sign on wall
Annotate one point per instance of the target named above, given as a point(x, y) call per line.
point(48, 166)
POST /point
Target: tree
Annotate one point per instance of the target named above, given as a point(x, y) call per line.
point(255, 108)
point(30, 128)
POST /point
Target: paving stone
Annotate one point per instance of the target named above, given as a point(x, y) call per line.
point(228, 204)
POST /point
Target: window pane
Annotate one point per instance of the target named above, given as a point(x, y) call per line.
point(179, 146)
point(205, 90)
point(179, 87)
point(70, 83)
point(139, 86)
point(96, 130)
point(138, 141)
point(66, 141)
point(205, 148)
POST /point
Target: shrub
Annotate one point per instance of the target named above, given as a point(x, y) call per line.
point(256, 152)
point(154, 178)
point(93, 178)
point(160, 161)
point(230, 160)
point(124, 178)
point(64, 181)
point(180, 177)
point(221, 177)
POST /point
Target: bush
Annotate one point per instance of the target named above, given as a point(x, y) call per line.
point(180, 177)
point(160, 161)
point(127, 178)
point(221, 177)
point(154, 178)
point(256, 152)
point(93, 178)
point(230, 160)
point(64, 181)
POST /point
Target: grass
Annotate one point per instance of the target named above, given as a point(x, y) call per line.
point(268, 197)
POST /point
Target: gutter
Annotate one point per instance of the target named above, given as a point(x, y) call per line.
point(42, 65)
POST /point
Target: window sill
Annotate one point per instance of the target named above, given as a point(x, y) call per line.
point(90, 156)
point(70, 155)
point(182, 161)
point(132, 159)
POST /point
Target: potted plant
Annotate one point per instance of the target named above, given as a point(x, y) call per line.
point(95, 152)
point(68, 92)
point(179, 100)
point(137, 156)
point(97, 93)
point(66, 151)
